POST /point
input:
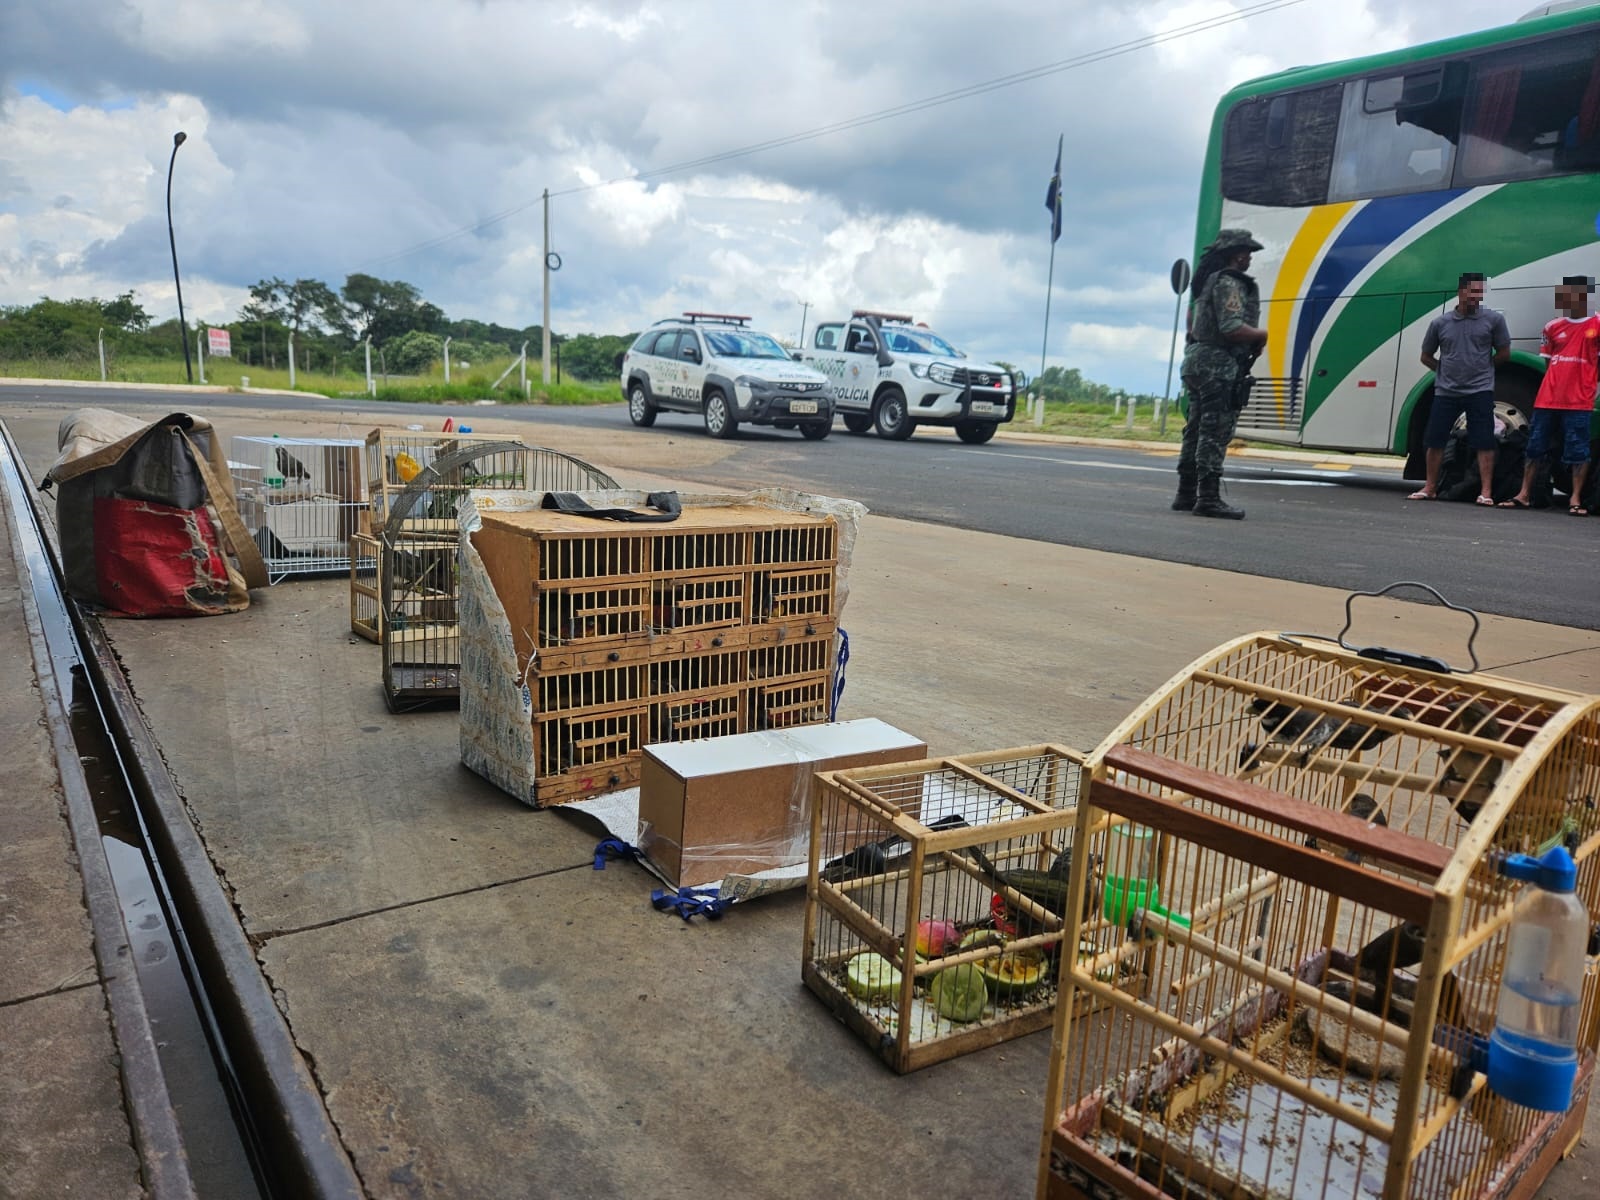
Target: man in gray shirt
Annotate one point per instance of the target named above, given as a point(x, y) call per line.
point(1462, 347)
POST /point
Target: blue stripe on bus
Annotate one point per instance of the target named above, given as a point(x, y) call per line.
point(1369, 233)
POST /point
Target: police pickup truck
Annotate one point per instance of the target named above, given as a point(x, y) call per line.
point(714, 364)
point(893, 375)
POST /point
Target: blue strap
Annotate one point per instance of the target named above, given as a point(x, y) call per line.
point(690, 902)
point(838, 674)
point(613, 848)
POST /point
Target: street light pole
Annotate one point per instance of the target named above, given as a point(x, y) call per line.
point(183, 326)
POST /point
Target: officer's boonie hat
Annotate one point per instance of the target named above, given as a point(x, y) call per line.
point(1235, 239)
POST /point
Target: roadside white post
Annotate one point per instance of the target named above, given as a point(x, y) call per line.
point(447, 360)
point(291, 361)
point(1131, 402)
point(522, 362)
point(200, 351)
point(102, 340)
point(371, 389)
point(1180, 284)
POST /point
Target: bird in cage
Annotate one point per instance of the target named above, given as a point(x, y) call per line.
point(1293, 729)
point(1050, 889)
point(874, 858)
point(1361, 805)
point(289, 466)
point(1468, 776)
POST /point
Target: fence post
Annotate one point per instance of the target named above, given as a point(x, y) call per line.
point(291, 360)
point(102, 340)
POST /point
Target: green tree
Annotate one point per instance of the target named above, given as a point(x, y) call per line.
point(413, 352)
point(126, 313)
point(381, 309)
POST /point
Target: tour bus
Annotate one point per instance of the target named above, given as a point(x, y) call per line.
point(1373, 184)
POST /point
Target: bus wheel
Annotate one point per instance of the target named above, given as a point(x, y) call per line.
point(1416, 453)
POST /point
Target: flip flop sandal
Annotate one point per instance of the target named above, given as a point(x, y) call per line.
point(1421, 494)
point(1514, 503)
point(1578, 510)
point(1484, 501)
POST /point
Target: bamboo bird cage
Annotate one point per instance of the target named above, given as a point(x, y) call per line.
point(1297, 840)
point(933, 922)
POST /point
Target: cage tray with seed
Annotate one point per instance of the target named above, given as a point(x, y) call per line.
point(1297, 840)
point(934, 921)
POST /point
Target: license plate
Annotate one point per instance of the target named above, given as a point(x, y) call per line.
point(802, 406)
point(983, 406)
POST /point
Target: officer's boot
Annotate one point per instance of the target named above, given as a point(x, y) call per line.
point(1209, 501)
point(1184, 501)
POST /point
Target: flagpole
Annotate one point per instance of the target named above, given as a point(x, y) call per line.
point(1054, 200)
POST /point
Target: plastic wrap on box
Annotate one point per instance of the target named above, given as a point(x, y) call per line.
point(496, 701)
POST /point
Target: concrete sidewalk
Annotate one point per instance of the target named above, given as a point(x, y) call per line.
point(63, 1130)
point(488, 1016)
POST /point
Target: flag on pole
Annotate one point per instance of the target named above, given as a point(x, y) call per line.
point(1052, 197)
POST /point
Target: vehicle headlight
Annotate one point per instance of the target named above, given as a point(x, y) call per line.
point(754, 384)
point(942, 373)
point(920, 370)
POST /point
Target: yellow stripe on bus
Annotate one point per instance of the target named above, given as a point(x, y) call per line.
point(1314, 233)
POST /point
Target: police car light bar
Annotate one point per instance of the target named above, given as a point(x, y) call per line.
point(893, 318)
point(728, 318)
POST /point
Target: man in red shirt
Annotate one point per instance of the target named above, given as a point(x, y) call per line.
point(1571, 350)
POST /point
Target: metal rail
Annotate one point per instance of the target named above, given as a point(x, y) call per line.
point(279, 1121)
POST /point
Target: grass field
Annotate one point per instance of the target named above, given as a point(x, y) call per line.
point(425, 389)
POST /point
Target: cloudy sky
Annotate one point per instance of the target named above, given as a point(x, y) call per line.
point(411, 139)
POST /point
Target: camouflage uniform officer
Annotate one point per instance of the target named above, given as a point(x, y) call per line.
point(1224, 340)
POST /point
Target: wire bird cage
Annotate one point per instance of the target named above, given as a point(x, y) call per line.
point(418, 584)
point(301, 499)
point(395, 458)
point(1298, 841)
point(934, 902)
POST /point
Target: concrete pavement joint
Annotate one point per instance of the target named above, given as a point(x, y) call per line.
point(58, 990)
point(261, 939)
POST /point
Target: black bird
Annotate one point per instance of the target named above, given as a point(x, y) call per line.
point(1048, 889)
point(1472, 775)
point(1363, 806)
point(874, 858)
point(1295, 728)
point(289, 466)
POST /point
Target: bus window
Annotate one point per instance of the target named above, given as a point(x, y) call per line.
point(1397, 134)
point(1276, 150)
point(1533, 111)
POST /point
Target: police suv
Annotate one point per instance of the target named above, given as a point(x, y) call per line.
point(890, 374)
point(715, 365)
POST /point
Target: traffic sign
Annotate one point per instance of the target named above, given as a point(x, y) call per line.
point(1180, 276)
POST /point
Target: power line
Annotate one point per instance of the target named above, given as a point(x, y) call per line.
point(885, 114)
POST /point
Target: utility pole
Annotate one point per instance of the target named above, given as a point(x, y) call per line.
point(805, 307)
point(545, 353)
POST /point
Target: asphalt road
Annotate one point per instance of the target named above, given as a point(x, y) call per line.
point(1345, 529)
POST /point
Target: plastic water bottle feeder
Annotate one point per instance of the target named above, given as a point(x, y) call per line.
point(1533, 1051)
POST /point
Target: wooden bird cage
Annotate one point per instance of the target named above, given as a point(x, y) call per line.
point(1298, 841)
point(397, 457)
point(417, 581)
point(366, 608)
point(933, 923)
point(630, 633)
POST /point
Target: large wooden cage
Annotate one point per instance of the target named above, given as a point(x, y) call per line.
point(719, 622)
point(1298, 845)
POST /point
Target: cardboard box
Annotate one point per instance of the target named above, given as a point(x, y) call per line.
point(741, 804)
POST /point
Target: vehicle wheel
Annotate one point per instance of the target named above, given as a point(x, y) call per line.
point(858, 422)
point(893, 419)
point(975, 433)
point(640, 411)
point(720, 421)
point(815, 431)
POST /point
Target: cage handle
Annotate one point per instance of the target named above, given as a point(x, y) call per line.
point(1388, 654)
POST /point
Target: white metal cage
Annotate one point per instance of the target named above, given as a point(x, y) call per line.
point(301, 500)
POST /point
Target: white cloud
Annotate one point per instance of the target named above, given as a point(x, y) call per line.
point(311, 154)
